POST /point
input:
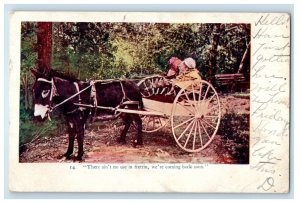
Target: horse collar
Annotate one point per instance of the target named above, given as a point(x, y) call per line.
point(78, 90)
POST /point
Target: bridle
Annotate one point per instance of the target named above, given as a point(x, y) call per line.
point(53, 91)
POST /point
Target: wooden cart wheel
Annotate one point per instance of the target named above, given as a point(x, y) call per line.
point(153, 85)
point(196, 116)
point(153, 123)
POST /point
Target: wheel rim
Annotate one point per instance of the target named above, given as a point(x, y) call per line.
point(196, 116)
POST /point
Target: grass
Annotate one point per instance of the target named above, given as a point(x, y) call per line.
point(234, 129)
point(31, 130)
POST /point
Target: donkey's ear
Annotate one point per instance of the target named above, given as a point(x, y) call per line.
point(34, 73)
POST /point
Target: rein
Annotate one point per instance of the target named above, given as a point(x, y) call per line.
point(71, 97)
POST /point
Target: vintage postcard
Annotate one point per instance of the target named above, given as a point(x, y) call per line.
point(149, 102)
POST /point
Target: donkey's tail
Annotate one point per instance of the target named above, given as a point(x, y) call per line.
point(141, 104)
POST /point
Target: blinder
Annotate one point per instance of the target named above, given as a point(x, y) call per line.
point(53, 93)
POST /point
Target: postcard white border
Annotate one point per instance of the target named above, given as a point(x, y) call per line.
point(58, 178)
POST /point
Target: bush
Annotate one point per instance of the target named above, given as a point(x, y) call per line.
point(234, 129)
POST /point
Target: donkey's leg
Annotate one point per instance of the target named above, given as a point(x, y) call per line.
point(72, 133)
point(80, 134)
point(80, 138)
point(139, 138)
point(127, 121)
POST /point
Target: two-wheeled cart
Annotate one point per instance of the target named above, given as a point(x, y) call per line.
point(193, 112)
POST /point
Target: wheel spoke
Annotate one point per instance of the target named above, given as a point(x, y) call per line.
point(149, 120)
point(200, 135)
point(200, 92)
point(151, 82)
point(185, 130)
point(189, 101)
point(153, 122)
point(191, 130)
point(186, 108)
point(195, 134)
point(183, 123)
point(194, 97)
point(204, 129)
point(146, 123)
point(144, 119)
point(147, 89)
point(206, 92)
point(159, 121)
point(145, 85)
point(200, 95)
point(157, 91)
point(212, 97)
point(153, 91)
point(205, 121)
point(163, 90)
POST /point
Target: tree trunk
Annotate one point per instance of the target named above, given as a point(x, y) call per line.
point(44, 46)
point(245, 60)
point(213, 52)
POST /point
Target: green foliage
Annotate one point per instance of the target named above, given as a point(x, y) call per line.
point(28, 53)
point(235, 127)
point(31, 130)
point(112, 50)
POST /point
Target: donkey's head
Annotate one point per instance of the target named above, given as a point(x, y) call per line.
point(43, 92)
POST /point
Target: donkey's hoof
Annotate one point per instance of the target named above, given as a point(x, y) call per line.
point(137, 144)
point(65, 155)
point(78, 158)
point(68, 157)
point(121, 141)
